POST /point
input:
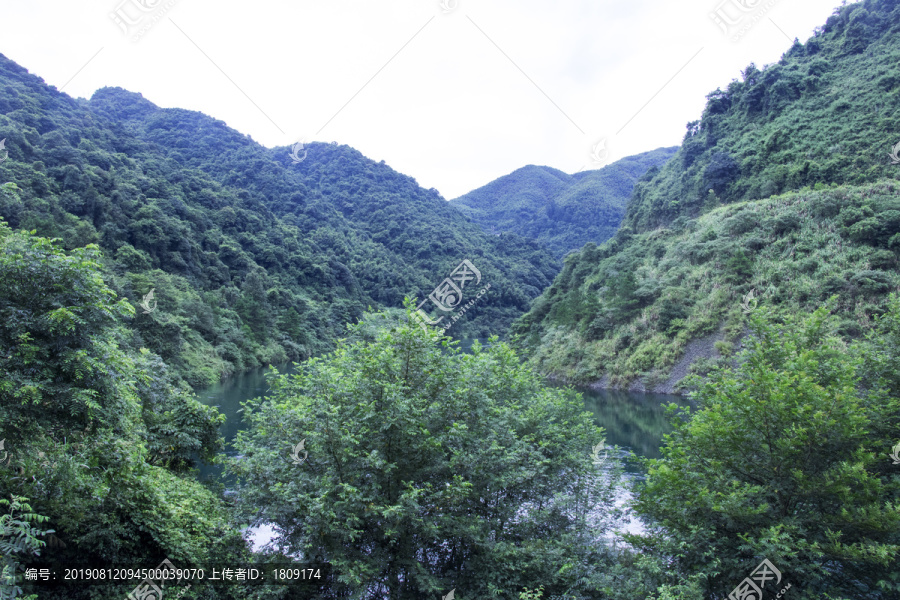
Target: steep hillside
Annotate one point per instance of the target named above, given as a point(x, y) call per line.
point(825, 113)
point(251, 257)
point(563, 212)
point(784, 189)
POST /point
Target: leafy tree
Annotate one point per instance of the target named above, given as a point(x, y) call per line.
point(784, 459)
point(55, 367)
point(721, 171)
point(97, 437)
point(180, 429)
point(423, 469)
point(739, 268)
point(18, 536)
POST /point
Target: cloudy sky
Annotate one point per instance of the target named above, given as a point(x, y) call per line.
point(454, 93)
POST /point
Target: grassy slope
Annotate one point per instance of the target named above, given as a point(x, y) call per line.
point(816, 128)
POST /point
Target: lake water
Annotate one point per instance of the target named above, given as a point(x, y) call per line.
point(227, 396)
point(634, 421)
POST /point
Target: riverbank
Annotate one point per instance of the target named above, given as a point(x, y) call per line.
point(704, 347)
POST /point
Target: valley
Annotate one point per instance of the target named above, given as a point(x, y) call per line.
point(675, 377)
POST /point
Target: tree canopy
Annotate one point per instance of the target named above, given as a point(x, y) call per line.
point(423, 469)
point(786, 459)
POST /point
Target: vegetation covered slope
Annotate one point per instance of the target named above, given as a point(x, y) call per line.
point(563, 212)
point(97, 437)
point(784, 188)
point(827, 112)
point(252, 258)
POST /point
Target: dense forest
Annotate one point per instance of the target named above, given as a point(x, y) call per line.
point(253, 258)
point(390, 459)
point(563, 212)
point(783, 193)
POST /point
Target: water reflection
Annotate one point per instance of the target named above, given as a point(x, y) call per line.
point(634, 421)
point(227, 396)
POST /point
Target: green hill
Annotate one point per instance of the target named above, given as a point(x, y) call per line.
point(784, 188)
point(252, 258)
point(563, 212)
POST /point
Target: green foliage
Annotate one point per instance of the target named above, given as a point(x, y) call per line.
point(563, 212)
point(427, 469)
point(55, 368)
point(823, 114)
point(18, 536)
point(625, 575)
point(785, 459)
point(99, 438)
point(535, 594)
point(179, 428)
point(253, 259)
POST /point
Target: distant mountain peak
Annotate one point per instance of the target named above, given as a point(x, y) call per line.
point(559, 210)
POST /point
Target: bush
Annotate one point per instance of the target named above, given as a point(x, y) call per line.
point(741, 223)
point(721, 171)
point(425, 469)
point(785, 460)
point(872, 282)
point(784, 223)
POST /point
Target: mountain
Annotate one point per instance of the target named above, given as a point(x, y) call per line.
point(782, 195)
point(563, 212)
point(252, 258)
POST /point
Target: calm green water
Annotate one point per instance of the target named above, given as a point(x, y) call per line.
point(634, 421)
point(227, 396)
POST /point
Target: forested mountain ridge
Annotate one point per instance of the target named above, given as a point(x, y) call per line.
point(332, 183)
point(252, 258)
point(783, 193)
point(826, 112)
point(399, 464)
point(563, 212)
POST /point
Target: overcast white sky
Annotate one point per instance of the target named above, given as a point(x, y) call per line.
point(454, 97)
